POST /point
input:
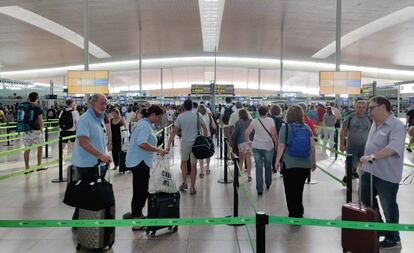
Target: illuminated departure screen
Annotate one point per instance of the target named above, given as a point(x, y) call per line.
point(88, 82)
point(221, 89)
point(343, 82)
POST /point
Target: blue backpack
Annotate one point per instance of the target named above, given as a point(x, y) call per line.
point(25, 117)
point(299, 140)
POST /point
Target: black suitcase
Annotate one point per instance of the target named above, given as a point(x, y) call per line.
point(122, 167)
point(163, 205)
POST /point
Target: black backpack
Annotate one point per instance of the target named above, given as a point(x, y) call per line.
point(203, 146)
point(227, 113)
point(66, 120)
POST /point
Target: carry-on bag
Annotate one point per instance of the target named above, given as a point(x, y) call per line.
point(360, 241)
point(163, 205)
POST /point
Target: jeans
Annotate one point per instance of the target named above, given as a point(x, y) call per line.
point(387, 193)
point(263, 157)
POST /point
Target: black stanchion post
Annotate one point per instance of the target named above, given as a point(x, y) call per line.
point(348, 167)
point(336, 143)
point(225, 180)
point(60, 179)
point(46, 139)
point(235, 187)
point(262, 219)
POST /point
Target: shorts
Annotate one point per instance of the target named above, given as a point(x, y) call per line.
point(66, 134)
point(32, 138)
point(226, 130)
point(186, 152)
point(245, 147)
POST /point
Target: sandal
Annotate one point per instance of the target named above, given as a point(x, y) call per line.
point(249, 179)
point(193, 191)
point(208, 171)
point(201, 175)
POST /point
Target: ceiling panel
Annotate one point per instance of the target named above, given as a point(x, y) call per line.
point(173, 28)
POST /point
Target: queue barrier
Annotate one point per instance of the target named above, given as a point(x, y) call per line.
point(261, 221)
point(249, 220)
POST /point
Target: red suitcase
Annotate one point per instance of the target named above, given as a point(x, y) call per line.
point(360, 241)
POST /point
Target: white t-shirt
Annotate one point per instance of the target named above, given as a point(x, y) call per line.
point(75, 118)
point(128, 116)
point(235, 117)
point(262, 140)
point(206, 119)
point(124, 109)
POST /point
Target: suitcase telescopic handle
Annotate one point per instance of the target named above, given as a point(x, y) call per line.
point(371, 187)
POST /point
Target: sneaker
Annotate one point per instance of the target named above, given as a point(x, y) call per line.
point(387, 244)
point(183, 187)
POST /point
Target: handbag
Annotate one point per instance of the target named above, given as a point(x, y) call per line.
point(90, 194)
point(203, 146)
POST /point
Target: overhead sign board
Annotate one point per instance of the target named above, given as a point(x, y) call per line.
point(203, 89)
point(88, 82)
point(339, 82)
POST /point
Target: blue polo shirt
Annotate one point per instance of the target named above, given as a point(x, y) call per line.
point(94, 128)
point(143, 133)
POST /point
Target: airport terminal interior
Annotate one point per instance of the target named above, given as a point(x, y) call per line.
point(326, 86)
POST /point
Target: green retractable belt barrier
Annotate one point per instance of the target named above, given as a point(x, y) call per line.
point(207, 221)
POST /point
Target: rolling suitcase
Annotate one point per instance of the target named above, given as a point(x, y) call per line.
point(360, 241)
point(163, 205)
point(96, 238)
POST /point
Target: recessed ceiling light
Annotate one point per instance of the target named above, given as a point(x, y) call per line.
point(211, 13)
point(52, 27)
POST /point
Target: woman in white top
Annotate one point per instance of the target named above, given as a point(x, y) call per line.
point(264, 141)
point(202, 110)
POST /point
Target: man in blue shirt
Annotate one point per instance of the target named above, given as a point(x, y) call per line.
point(90, 132)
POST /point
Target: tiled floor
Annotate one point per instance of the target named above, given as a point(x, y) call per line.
point(35, 197)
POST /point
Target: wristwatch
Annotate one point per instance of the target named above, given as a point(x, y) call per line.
point(372, 157)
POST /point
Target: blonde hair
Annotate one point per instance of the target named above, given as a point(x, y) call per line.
point(202, 109)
